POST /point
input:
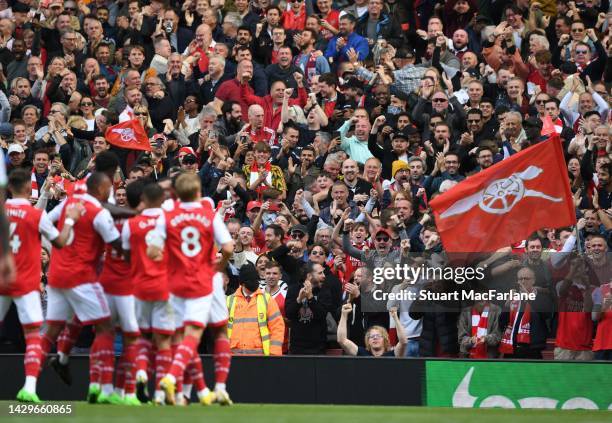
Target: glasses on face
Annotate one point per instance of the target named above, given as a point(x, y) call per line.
point(541, 101)
point(190, 100)
point(473, 120)
point(382, 238)
point(54, 111)
point(375, 336)
point(582, 51)
point(578, 30)
point(439, 100)
point(297, 235)
point(141, 114)
point(150, 84)
point(86, 104)
point(70, 9)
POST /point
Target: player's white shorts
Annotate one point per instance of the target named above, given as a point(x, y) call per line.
point(29, 308)
point(218, 309)
point(123, 313)
point(191, 311)
point(87, 301)
point(155, 316)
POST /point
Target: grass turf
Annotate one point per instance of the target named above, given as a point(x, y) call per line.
point(277, 413)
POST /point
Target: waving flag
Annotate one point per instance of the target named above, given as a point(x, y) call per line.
point(129, 134)
point(507, 202)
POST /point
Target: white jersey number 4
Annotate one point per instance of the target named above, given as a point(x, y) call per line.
point(15, 242)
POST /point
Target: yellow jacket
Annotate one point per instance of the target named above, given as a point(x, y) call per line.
point(243, 326)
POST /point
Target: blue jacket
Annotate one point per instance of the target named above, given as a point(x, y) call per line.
point(355, 41)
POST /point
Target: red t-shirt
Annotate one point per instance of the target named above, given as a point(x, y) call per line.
point(191, 230)
point(26, 223)
point(114, 277)
point(603, 337)
point(149, 278)
point(575, 330)
point(77, 262)
point(230, 91)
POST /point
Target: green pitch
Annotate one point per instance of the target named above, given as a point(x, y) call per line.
point(268, 413)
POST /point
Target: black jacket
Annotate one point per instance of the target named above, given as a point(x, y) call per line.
point(540, 318)
point(387, 28)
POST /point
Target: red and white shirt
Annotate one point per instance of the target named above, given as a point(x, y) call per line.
point(149, 278)
point(26, 223)
point(114, 277)
point(190, 230)
point(77, 262)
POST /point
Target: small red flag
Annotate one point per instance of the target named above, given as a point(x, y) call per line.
point(129, 134)
point(507, 202)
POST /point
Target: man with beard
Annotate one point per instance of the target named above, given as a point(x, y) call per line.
point(264, 35)
point(284, 69)
point(18, 67)
point(133, 97)
point(398, 150)
point(306, 305)
point(459, 43)
point(533, 259)
point(249, 18)
point(21, 95)
point(230, 122)
point(451, 163)
point(356, 146)
point(484, 159)
point(309, 63)
point(474, 135)
point(102, 95)
point(346, 40)
point(359, 189)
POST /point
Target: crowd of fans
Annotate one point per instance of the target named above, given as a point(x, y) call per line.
point(322, 130)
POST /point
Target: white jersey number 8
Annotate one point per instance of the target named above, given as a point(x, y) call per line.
point(191, 241)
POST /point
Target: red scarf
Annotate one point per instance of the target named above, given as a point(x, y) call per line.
point(523, 335)
point(480, 323)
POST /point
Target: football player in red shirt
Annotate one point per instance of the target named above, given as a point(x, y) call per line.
point(27, 223)
point(73, 285)
point(189, 232)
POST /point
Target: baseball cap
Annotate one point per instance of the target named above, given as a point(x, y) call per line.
point(253, 205)
point(55, 3)
point(186, 150)
point(383, 230)
point(20, 7)
point(15, 148)
point(409, 130)
point(298, 228)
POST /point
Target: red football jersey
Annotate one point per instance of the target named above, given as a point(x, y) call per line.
point(26, 223)
point(190, 230)
point(149, 278)
point(76, 263)
point(115, 273)
point(575, 329)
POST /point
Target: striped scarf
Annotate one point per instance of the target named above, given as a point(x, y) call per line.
point(523, 335)
point(480, 321)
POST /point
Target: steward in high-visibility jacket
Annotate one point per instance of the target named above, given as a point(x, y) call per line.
point(255, 324)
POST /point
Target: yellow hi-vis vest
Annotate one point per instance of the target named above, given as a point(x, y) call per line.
point(262, 318)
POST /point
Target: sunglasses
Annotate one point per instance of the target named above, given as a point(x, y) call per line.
point(578, 30)
point(70, 9)
point(55, 111)
point(473, 120)
point(439, 100)
point(541, 101)
point(297, 235)
point(582, 51)
point(141, 114)
point(86, 103)
point(382, 238)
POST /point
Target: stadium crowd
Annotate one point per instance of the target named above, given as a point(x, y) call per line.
point(321, 131)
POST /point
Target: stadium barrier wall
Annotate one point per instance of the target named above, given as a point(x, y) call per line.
point(285, 380)
point(381, 381)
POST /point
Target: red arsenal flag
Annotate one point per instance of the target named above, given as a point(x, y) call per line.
point(507, 202)
point(129, 134)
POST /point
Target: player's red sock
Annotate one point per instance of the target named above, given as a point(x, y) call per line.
point(222, 357)
point(104, 344)
point(120, 373)
point(129, 357)
point(45, 346)
point(69, 336)
point(184, 352)
point(195, 372)
point(94, 363)
point(33, 354)
point(143, 347)
point(180, 378)
point(163, 361)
